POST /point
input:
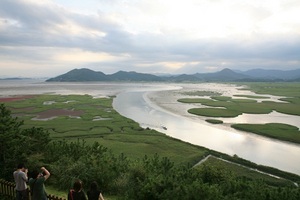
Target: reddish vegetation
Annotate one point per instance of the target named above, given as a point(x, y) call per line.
point(17, 98)
point(45, 114)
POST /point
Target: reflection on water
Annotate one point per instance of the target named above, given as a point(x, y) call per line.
point(273, 117)
point(152, 111)
point(155, 105)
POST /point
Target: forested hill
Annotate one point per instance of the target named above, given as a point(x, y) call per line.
point(84, 74)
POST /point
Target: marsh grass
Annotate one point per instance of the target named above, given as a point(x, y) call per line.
point(274, 88)
point(120, 134)
point(214, 121)
point(251, 96)
point(223, 106)
point(274, 130)
point(201, 93)
point(214, 112)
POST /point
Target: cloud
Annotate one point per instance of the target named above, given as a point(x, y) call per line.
point(148, 36)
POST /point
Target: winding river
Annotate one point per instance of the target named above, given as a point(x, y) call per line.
point(155, 106)
point(158, 109)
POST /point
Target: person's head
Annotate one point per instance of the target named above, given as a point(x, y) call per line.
point(94, 186)
point(77, 186)
point(21, 166)
point(36, 174)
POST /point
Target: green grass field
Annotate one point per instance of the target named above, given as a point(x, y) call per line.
point(99, 122)
point(274, 130)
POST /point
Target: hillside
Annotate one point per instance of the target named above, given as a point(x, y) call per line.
point(225, 75)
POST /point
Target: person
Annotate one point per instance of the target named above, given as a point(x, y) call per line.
point(94, 193)
point(36, 184)
point(21, 179)
point(77, 192)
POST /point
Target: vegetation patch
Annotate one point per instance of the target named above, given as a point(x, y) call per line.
point(274, 88)
point(58, 112)
point(243, 101)
point(251, 96)
point(274, 130)
point(15, 98)
point(194, 100)
point(201, 93)
point(214, 121)
point(222, 98)
point(214, 112)
point(286, 108)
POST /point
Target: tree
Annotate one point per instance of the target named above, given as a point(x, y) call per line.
point(18, 145)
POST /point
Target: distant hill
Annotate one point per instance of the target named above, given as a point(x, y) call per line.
point(225, 75)
point(133, 76)
point(80, 75)
point(273, 74)
point(14, 78)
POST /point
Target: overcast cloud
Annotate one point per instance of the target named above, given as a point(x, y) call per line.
point(46, 38)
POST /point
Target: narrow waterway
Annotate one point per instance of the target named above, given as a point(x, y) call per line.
point(139, 107)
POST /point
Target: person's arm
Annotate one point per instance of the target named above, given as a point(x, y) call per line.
point(47, 173)
point(101, 197)
point(26, 176)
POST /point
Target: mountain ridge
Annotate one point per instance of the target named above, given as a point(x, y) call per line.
point(225, 75)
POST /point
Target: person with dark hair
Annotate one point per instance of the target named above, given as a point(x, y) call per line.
point(77, 192)
point(36, 184)
point(21, 178)
point(94, 193)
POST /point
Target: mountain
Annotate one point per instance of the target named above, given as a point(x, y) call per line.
point(82, 75)
point(133, 76)
point(182, 78)
point(225, 75)
point(78, 75)
point(273, 74)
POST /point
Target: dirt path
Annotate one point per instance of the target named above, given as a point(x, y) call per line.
point(249, 168)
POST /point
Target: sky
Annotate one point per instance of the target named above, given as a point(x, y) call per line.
point(46, 38)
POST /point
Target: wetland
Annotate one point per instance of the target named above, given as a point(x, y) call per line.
point(154, 106)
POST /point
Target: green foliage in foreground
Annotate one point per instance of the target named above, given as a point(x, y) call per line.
point(246, 172)
point(18, 145)
point(274, 130)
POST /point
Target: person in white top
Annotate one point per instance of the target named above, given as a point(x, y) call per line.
point(21, 179)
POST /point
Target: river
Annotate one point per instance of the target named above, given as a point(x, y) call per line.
point(155, 105)
point(156, 109)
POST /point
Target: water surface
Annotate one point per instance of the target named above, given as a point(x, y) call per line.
point(157, 109)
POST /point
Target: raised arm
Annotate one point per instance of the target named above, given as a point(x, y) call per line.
point(46, 172)
point(100, 196)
